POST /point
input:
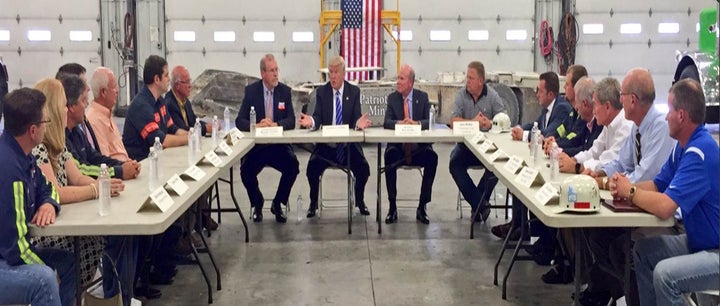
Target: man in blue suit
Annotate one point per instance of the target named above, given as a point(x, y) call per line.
point(408, 106)
point(555, 110)
point(338, 102)
point(273, 107)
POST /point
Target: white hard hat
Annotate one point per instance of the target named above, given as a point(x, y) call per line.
point(500, 123)
point(579, 193)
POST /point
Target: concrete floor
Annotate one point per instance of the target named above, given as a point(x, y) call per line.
point(315, 262)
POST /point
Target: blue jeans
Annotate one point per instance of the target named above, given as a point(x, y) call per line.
point(37, 284)
point(666, 270)
point(461, 159)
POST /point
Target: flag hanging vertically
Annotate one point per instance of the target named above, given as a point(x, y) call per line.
point(361, 37)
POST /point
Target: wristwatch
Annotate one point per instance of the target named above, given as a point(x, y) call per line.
point(632, 192)
point(577, 168)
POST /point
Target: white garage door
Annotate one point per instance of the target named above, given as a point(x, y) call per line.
point(234, 35)
point(37, 37)
point(449, 34)
point(650, 36)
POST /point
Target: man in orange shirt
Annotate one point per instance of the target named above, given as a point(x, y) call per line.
point(99, 114)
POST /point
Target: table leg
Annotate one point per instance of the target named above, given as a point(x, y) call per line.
point(237, 206)
point(350, 188)
point(579, 238)
point(523, 227)
point(379, 188)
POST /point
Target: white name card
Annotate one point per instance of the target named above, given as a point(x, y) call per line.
point(528, 176)
point(273, 131)
point(547, 193)
point(465, 127)
point(478, 138)
point(407, 130)
point(161, 198)
point(194, 173)
point(498, 156)
point(224, 148)
point(514, 164)
point(487, 146)
point(177, 185)
point(336, 130)
point(213, 158)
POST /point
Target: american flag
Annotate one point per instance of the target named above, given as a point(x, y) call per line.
point(361, 36)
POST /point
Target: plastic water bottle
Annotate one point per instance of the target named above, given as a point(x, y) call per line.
point(537, 157)
point(431, 125)
point(253, 120)
point(158, 151)
point(198, 135)
point(215, 131)
point(191, 147)
point(154, 170)
point(554, 161)
point(104, 191)
point(533, 134)
point(226, 120)
point(299, 210)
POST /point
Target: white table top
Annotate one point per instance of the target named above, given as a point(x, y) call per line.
point(549, 214)
point(308, 136)
point(81, 219)
point(379, 134)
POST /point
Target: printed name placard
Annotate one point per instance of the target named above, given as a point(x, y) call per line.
point(336, 130)
point(177, 185)
point(159, 200)
point(213, 158)
point(547, 193)
point(478, 138)
point(487, 146)
point(194, 173)
point(498, 156)
point(465, 127)
point(273, 131)
point(528, 176)
point(224, 148)
point(514, 164)
point(407, 130)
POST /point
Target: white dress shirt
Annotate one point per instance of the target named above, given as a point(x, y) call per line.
point(607, 145)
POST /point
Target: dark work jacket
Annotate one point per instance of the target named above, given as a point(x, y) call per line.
point(89, 159)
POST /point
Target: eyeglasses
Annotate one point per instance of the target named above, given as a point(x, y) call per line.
point(41, 122)
point(184, 81)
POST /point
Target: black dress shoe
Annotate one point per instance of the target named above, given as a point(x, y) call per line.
point(421, 215)
point(363, 210)
point(391, 217)
point(257, 215)
point(160, 279)
point(278, 212)
point(312, 210)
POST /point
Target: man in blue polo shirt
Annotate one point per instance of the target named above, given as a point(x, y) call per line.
point(668, 266)
point(26, 196)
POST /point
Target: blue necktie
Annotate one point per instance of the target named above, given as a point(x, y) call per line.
point(543, 120)
point(338, 121)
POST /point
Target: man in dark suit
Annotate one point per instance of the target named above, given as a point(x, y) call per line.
point(555, 109)
point(182, 114)
point(338, 102)
point(408, 106)
point(273, 107)
point(178, 104)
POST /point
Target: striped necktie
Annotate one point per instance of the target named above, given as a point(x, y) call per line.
point(269, 104)
point(638, 153)
point(338, 121)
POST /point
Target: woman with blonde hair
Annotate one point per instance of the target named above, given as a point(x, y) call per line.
point(58, 165)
